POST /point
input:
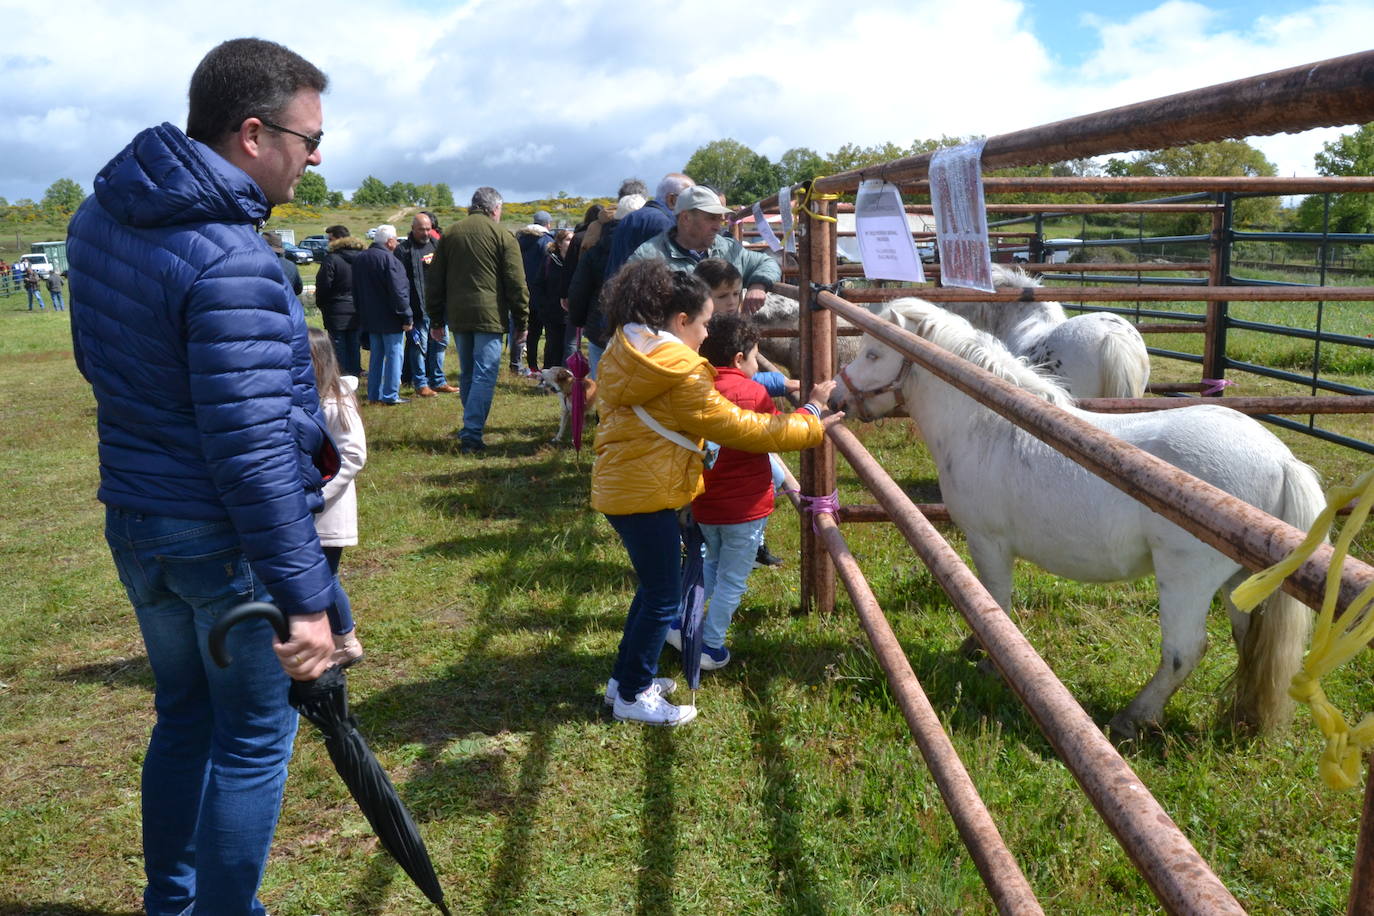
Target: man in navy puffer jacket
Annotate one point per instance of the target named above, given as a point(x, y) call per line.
point(213, 452)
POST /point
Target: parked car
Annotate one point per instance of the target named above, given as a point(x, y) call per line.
point(297, 254)
point(317, 245)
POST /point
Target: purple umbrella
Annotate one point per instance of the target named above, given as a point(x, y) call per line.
point(577, 364)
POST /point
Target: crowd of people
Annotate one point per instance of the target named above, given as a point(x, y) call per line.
point(229, 445)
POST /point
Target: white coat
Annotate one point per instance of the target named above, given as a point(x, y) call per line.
point(337, 523)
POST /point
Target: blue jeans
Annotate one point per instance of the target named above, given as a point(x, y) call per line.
point(425, 369)
point(348, 348)
point(216, 762)
point(653, 541)
point(384, 367)
point(594, 356)
point(517, 354)
point(479, 361)
point(56, 300)
point(35, 294)
point(730, 552)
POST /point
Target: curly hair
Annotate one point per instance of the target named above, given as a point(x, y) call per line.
point(728, 334)
point(650, 293)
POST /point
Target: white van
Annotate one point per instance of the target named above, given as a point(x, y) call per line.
point(1056, 255)
point(39, 262)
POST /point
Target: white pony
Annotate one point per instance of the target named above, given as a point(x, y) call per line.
point(1098, 355)
point(1014, 496)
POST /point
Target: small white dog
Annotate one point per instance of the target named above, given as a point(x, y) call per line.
point(563, 381)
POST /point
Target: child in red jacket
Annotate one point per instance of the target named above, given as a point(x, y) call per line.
point(739, 487)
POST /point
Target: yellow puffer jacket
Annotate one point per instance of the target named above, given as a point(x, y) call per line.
point(636, 469)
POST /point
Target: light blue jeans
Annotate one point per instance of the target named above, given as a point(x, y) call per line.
point(427, 368)
point(593, 357)
point(216, 762)
point(730, 552)
point(479, 361)
point(56, 300)
point(384, 367)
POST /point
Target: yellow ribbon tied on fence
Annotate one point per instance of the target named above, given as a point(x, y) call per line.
point(1333, 643)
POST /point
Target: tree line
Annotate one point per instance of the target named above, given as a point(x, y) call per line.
point(744, 176)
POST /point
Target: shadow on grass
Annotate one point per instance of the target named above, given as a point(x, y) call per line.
point(798, 885)
point(121, 672)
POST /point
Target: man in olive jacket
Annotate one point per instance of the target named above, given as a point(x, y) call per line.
point(475, 289)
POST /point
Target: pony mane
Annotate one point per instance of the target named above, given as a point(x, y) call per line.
point(1007, 276)
point(954, 333)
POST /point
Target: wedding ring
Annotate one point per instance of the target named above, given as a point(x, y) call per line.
point(296, 659)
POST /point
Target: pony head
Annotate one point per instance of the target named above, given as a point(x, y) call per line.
point(875, 383)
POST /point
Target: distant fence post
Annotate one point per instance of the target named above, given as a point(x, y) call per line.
point(1219, 274)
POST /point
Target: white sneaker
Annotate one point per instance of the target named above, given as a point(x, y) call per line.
point(664, 685)
point(675, 638)
point(651, 709)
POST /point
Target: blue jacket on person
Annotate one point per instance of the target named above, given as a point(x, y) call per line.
point(635, 229)
point(197, 353)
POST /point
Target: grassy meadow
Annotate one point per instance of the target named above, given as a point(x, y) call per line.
point(490, 599)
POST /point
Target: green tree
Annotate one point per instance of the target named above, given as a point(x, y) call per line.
point(311, 190)
point(334, 199)
point(372, 193)
point(1224, 157)
point(798, 164)
point(734, 170)
point(443, 196)
point(403, 193)
point(63, 197)
point(1348, 154)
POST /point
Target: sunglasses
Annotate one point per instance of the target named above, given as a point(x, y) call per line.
point(311, 143)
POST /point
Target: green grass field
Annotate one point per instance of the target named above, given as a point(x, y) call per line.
point(490, 599)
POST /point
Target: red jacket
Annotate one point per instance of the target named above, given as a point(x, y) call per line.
point(739, 488)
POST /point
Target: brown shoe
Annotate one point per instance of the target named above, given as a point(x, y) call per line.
point(347, 649)
point(446, 388)
point(426, 392)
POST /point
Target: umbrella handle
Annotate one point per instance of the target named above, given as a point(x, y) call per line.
point(269, 612)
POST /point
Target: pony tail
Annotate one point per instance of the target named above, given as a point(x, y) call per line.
point(1272, 649)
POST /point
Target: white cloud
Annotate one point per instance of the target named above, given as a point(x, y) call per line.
point(533, 97)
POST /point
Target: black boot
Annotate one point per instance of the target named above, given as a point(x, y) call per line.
point(765, 557)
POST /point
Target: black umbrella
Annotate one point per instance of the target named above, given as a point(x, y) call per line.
point(324, 701)
point(691, 612)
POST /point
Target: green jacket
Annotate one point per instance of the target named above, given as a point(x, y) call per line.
point(477, 280)
point(754, 266)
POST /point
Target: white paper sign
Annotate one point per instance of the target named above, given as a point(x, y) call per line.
point(961, 220)
point(765, 231)
point(789, 238)
point(884, 234)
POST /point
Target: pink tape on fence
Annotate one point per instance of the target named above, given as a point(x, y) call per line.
point(1215, 385)
point(817, 504)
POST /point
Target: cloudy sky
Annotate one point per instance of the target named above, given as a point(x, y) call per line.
point(573, 95)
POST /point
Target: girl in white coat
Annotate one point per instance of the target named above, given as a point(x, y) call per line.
point(337, 522)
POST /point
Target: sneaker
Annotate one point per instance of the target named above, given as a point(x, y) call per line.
point(395, 402)
point(664, 685)
point(471, 448)
point(347, 650)
point(711, 659)
point(675, 637)
point(651, 709)
point(765, 557)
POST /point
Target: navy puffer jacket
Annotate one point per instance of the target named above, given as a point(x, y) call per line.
point(198, 356)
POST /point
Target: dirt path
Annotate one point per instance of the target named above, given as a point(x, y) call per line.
point(403, 214)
